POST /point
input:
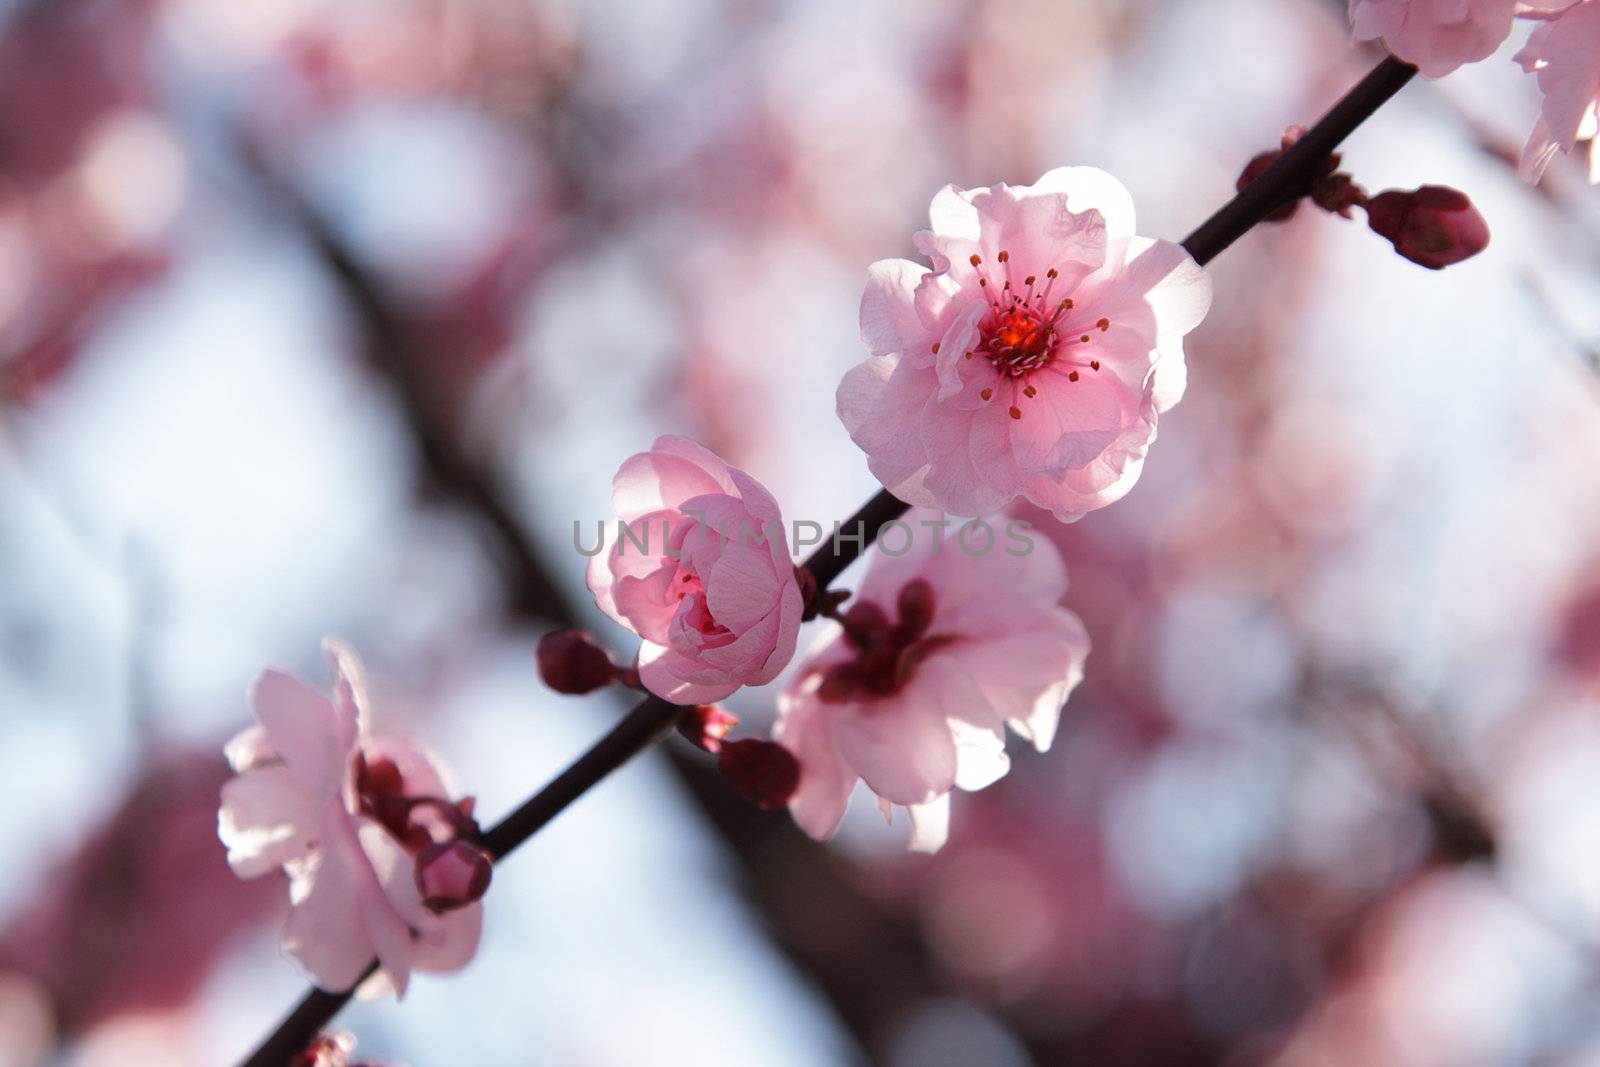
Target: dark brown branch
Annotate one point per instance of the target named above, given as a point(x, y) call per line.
point(1290, 176)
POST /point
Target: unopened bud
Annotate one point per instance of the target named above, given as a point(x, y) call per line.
point(706, 726)
point(452, 874)
point(570, 662)
point(1433, 226)
point(763, 772)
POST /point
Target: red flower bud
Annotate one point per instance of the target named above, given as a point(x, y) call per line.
point(706, 726)
point(764, 772)
point(452, 874)
point(570, 662)
point(1433, 226)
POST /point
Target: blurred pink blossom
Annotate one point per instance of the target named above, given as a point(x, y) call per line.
point(334, 809)
point(1564, 55)
point(1437, 36)
point(701, 573)
point(1033, 359)
point(941, 651)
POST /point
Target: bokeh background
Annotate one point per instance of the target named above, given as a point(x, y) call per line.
point(331, 316)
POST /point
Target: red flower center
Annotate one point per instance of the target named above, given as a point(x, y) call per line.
point(1017, 341)
point(1022, 332)
point(885, 654)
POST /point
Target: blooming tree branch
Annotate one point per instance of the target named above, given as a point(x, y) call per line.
point(1285, 180)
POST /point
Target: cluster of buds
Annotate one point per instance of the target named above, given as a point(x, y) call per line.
point(763, 772)
point(452, 869)
point(1434, 226)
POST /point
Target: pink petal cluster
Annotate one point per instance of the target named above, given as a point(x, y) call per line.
point(303, 800)
point(939, 653)
point(701, 573)
point(1437, 36)
point(1564, 55)
point(1035, 356)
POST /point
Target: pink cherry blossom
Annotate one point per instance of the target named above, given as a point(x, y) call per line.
point(336, 810)
point(1564, 54)
point(940, 651)
point(1035, 356)
point(1437, 36)
point(701, 573)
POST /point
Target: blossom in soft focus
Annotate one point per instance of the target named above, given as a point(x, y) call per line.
point(941, 650)
point(345, 817)
point(700, 570)
point(1437, 36)
point(1564, 55)
point(1035, 356)
point(1434, 226)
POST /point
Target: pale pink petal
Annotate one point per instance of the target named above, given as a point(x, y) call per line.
point(960, 338)
point(880, 402)
point(387, 928)
point(904, 752)
point(1068, 425)
point(266, 820)
point(674, 470)
point(970, 467)
point(327, 931)
point(306, 731)
point(648, 604)
point(662, 670)
point(1092, 189)
point(804, 728)
point(1437, 36)
point(889, 320)
point(952, 213)
point(1039, 231)
point(250, 748)
point(349, 688)
point(741, 589)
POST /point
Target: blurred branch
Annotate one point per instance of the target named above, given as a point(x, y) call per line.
point(390, 350)
point(536, 595)
point(1547, 311)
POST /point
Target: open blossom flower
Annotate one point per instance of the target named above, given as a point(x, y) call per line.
point(700, 570)
point(1565, 56)
point(1437, 36)
point(344, 816)
point(940, 651)
point(1035, 356)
